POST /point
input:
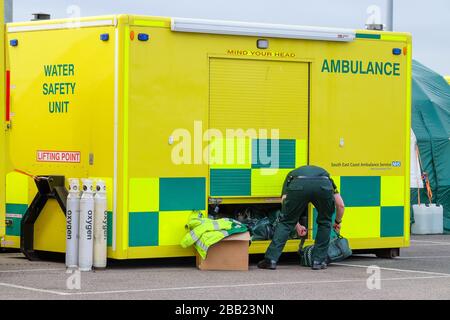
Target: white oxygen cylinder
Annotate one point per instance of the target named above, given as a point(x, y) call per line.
point(100, 226)
point(86, 243)
point(72, 223)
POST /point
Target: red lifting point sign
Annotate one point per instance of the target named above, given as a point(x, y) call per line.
point(59, 156)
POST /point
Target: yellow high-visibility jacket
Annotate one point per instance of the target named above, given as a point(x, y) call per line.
point(205, 232)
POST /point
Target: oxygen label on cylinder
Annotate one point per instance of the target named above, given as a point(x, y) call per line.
point(69, 224)
point(72, 223)
point(105, 226)
point(89, 225)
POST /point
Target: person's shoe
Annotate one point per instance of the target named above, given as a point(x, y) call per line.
point(319, 265)
point(267, 264)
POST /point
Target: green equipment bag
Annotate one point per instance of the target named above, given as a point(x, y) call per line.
point(338, 250)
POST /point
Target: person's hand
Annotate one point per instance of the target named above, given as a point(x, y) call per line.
point(301, 230)
point(337, 227)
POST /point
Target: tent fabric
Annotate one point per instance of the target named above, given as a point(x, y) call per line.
point(416, 173)
point(431, 126)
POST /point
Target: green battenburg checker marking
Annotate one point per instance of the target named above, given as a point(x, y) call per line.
point(365, 192)
point(368, 36)
point(18, 209)
point(361, 191)
point(109, 230)
point(143, 229)
point(392, 221)
point(314, 232)
point(230, 182)
point(282, 158)
point(181, 194)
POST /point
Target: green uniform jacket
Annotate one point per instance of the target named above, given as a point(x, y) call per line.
point(307, 171)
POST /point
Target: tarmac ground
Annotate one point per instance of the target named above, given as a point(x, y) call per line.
point(421, 272)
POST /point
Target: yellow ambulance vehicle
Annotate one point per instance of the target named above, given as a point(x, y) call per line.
point(183, 115)
point(2, 132)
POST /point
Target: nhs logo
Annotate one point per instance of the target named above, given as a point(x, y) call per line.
point(396, 164)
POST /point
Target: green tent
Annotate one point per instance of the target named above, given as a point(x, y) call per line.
point(431, 125)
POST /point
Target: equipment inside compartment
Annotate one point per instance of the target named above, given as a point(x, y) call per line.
point(260, 219)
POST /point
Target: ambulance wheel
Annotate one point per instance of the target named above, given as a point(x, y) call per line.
point(388, 253)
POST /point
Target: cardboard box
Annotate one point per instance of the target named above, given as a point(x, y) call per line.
point(231, 253)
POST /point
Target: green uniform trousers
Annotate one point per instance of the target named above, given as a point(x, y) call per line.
point(299, 192)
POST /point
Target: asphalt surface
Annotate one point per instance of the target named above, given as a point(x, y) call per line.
point(421, 272)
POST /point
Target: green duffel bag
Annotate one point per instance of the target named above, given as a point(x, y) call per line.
point(338, 250)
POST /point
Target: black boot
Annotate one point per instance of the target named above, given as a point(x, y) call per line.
point(319, 265)
point(267, 264)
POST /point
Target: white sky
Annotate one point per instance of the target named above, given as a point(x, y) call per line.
point(426, 20)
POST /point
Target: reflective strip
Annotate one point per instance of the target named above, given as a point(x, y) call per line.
point(312, 177)
point(14, 215)
point(394, 38)
point(70, 24)
point(194, 236)
point(202, 245)
point(225, 233)
point(216, 225)
point(146, 23)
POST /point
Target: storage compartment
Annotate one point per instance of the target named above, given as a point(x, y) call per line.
point(259, 111)
point(260, 219)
